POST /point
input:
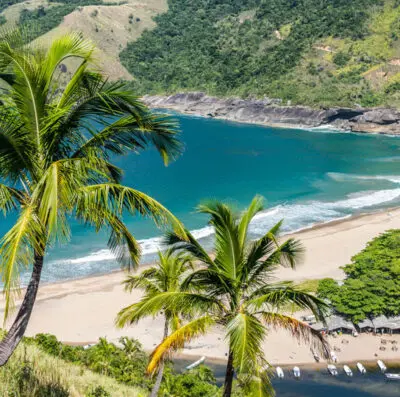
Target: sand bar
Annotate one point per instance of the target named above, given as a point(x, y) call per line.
point(81, 311)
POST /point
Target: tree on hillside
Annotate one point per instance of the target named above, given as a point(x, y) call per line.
point(166, 276)
point(56, 142)
point(234, 289)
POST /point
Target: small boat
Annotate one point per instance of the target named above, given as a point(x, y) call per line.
point(334, 357)
point(296, 372)
point(332, 370)
point(279, 372)
point(381, 366)
point(347, 370)
point(361, 368)
point(393, 376)
point(196, 363)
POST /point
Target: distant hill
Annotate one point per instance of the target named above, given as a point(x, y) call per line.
point(312, 52)
point(110, 24)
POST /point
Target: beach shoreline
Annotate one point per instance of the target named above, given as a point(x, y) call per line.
point(82, 310)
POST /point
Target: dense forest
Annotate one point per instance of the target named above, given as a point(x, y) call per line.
point(319, 52)
point(372, 284)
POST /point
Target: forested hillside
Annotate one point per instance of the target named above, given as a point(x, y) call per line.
point(316, 52)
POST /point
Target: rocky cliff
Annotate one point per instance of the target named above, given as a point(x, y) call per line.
point(269, 112)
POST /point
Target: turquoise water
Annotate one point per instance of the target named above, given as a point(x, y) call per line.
point(306, 177)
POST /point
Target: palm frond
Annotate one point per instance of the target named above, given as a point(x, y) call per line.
point(131, 133)
point(246, 335)
point(298, 329)
point(228, 253)
point(278, 295)
point(256, 205)
point(187, 243)
point(181, 303)
point(117, 199)
point(177, 339)
point(9, 198)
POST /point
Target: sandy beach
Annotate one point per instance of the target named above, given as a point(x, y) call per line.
point(81, 311)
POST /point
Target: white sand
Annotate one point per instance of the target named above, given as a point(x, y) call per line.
point(83, 310)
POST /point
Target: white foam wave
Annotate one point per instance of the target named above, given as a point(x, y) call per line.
point(300, 216)
point(339, 177)
point(296, 217)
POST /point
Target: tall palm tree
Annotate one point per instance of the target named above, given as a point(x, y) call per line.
point(56, 141)
point(235, 289)
point(166, 276)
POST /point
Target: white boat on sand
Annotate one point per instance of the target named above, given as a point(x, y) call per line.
point(347, 370)
point(361, 368)
point(332, 370)
point(381, 365)
point(279, 372)
point(296, 372)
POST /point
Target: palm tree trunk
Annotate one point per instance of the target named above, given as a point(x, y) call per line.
point(156, 387)
point(229, 376)
point(17, 330)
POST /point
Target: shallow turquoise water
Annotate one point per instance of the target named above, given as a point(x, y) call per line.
point(306, 177)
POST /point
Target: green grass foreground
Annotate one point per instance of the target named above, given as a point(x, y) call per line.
point(33, 373)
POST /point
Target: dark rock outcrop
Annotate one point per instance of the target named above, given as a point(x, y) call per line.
point(268, 112)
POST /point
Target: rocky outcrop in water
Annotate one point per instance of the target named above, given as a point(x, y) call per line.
point(270, 112)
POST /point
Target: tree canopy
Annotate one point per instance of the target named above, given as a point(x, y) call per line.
point(372, 284)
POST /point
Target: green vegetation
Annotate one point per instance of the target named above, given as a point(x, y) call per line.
point(44, 367)
point(31, 372)
point(372, 285)
point(167, 276)
point(56, 142)
point(234, 290)
point(316, 52)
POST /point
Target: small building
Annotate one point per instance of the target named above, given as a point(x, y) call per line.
point(366, 325)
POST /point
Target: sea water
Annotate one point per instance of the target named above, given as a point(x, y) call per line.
point(306, 177)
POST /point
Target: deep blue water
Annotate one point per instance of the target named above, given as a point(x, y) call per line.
point(305, 176)
point(318, 383)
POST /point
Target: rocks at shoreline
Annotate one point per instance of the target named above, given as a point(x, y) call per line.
point(269, 112)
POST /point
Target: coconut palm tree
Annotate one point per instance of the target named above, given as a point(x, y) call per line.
point(166, 276)
point(235, 289)
point(58, 133)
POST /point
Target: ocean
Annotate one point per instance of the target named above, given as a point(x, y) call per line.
point(306, 177)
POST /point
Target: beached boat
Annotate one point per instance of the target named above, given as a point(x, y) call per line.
point(393, 376)
point(196, 363)
point(347, 370)
point(381, 365)
point(332, 370)
point(279, 372)
point(361, 368)
point(296, 372)
point(334, 357)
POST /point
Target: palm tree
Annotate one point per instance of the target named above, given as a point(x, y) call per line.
point(56, 141)
point(235, 289)
point(166, 276)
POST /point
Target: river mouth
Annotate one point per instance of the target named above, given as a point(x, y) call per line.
point(317, 382)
